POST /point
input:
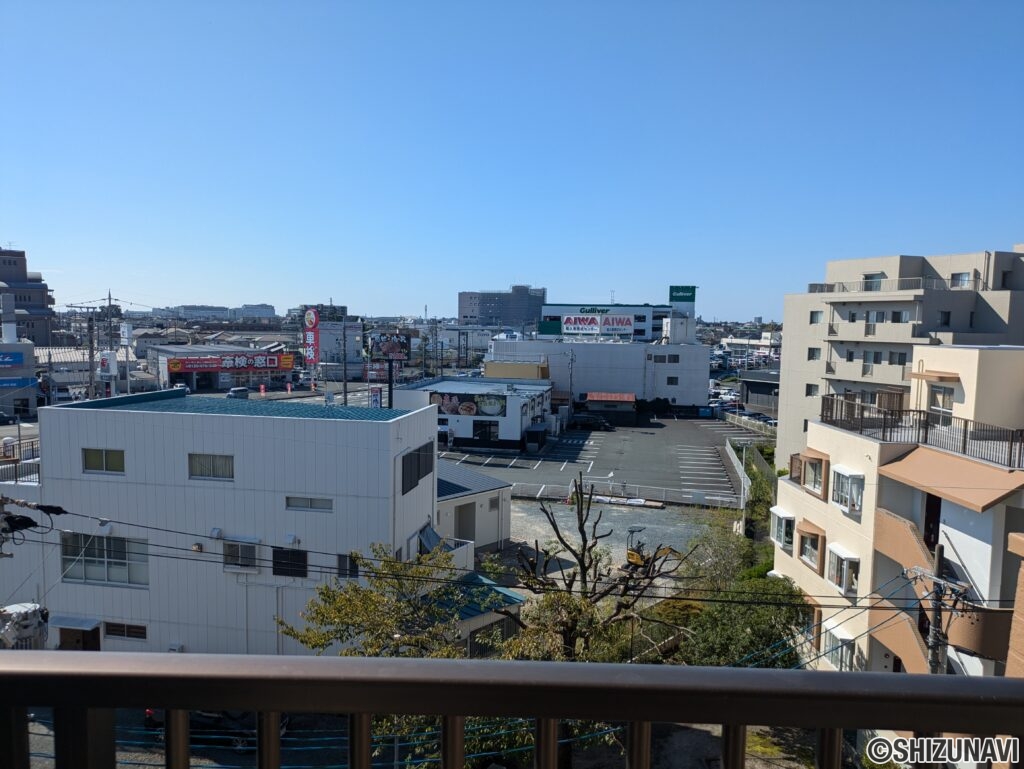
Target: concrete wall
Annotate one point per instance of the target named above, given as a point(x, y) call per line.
point(492, 528)
point(797, 372)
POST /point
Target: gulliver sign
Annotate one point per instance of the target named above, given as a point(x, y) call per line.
point(682, 293)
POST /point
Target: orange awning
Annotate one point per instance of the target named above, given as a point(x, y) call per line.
point(974, 485)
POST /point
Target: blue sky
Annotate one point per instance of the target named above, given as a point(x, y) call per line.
point(389, 155)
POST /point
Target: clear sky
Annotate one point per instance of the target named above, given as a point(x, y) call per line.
point(389, 155)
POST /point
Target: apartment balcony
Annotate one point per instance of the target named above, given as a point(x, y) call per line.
point(899, 538)
point(877, 373)
point(851, 291)
point(888, 333)
point(1002, 446)
point(85, 687)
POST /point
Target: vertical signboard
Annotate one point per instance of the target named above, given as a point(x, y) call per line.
point(311, 337)
point(375, 397)
point(682, 294)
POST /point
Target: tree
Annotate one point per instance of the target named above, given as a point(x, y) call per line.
point(753, 624)
point(585, 603)
point(387, 615)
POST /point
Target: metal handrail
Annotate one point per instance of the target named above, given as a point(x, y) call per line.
point(896, 284)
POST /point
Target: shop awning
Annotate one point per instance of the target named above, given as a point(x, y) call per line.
point(71, 622)
point(974, 485)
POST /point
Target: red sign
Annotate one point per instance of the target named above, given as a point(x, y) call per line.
point(233, 362)
point(311, 337)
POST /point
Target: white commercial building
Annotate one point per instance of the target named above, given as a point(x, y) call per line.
point(639, 322)
point(492, 413)
point(194, 522)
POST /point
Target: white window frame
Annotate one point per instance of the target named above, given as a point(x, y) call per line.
point(782, 523)
point(105, 457)
point(95, 560)
point(238, 561)
point(221, 467)
point(310, 504)
point(847, 490)
point(839, 569)
point(816, 316)
point(838, 648)
point(807, 464)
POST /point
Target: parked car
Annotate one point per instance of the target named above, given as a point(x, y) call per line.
point(7, 419)
point(182, 386)
point(236, 729)
point(589, 422)
point(238, 392)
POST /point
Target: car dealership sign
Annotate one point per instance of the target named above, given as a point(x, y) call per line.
point(597, 324)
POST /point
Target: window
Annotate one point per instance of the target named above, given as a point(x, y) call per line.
point(659, 358)
point(838, 650)
point(900, 316)
point(417, 465)
point(847, 490)
point(673, 358)
point(810, 390)
point(485, 429)
point(104, 560)
point(805, 425)
point(103, 461)
point(639, 318)
point(940, 403)
point(960, 280)
point(781, 529)
point(852, 317)
point(211, 466)
point(873, 281)
point(119, 630)
point(494, 504)
point(849, 356)
point(309, 503)
point(289, 562)
point(672, 380)
point(843, 570)
point(944, 318)
point(348, 566)
point(813, 353)
point(872, 356)
point(877, 316)
point(812, 474)
point(240, 555)
point(970, 319)
point(897, 359)
point(442, 421)
point(810, 549)
point(816, 316)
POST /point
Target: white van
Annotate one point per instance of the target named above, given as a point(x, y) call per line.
point(238, 392)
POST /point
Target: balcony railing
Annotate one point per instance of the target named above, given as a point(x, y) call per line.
point(896, 284)
point(85, 687)
point(990, 443)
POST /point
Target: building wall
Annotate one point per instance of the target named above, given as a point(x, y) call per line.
point(32, 298)
point(491, 528)
point(518, 307)
point(191, 599)
point(796, 372)
point(520, 409)
point(617, 367)
point(648, 319)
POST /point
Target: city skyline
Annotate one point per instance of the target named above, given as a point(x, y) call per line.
point(388, 160)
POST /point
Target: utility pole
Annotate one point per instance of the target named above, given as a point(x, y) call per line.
point(572, 360)
point(937, 642)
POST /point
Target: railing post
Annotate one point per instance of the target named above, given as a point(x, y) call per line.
point(83, 738)
point(268, 740)
point(359, 741)
point(965, 426)
point(639, 745)
point(176, 739)
point(734, 746)
point(545, 748)
point(14, 737)
point(829, 754)
point(453, 742)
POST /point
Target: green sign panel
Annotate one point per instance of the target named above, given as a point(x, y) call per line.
point(682, 293)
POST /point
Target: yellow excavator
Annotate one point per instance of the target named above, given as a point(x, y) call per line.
point(638, 556)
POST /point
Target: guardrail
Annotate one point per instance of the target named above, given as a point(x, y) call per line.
point(84, 688)
point(625, 491)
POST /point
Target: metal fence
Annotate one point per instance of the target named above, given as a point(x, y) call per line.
point(620, 493)
point(989, 443)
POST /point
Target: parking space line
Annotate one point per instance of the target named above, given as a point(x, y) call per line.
point(538, 464)
point(488, 460)
point(563, 465)
point(464, 458)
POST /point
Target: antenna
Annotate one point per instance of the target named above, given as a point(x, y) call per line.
point(613, 297)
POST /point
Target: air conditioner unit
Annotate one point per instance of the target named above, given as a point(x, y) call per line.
point(216, 533)
point(176, 647)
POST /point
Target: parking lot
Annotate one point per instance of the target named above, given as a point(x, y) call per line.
point(671, 460)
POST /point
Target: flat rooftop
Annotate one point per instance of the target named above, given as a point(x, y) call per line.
point(176, 402)
point(479, 385)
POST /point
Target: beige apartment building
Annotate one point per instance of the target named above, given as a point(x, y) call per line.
point(873, 493)
point(853, 334)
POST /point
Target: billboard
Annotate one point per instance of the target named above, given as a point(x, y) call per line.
point(232, 362)
point(311, 336)
point(388, 346)
point(597, 324)
point(682, 293)
point(469, 405)
point(18, 382)
point(12, 359)
point(375, 398)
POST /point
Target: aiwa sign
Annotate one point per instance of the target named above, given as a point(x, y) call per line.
point(682, 293)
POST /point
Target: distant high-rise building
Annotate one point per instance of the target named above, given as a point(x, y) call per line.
point(32, 298)
point(517, 307)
